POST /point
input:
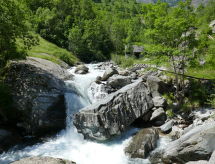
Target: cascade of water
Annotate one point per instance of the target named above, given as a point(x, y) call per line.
point(71, 145)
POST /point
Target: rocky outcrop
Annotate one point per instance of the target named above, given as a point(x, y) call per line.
point(38, 95)
point(81, 69)
point(197, 144)
point(108, 73)
point(112, 115)
point(211, 161)
point(159, 101)
point(42, 160)
point(167, 126)
point(156, 86)
point(142, 143)
point(118, 81)
point(158, 117)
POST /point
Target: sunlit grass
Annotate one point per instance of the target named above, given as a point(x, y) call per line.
point(52, 52)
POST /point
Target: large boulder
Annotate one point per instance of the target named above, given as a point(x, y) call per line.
point(167, 126)
point(38, 95)
point(158, 117)
point(108, 73)
point(112, 115)
point(156, 86)
point(142, 143)
point(159, 101)
point(42, 160)
point(197, 144)
point(211, 161)
point(118, 81)
point(81, 69)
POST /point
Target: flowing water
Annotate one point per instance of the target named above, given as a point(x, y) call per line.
point(68, 144)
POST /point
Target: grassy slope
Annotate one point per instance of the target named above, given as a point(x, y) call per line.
point(50, 51)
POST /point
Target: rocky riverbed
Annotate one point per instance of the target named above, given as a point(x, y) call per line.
point(114, 100)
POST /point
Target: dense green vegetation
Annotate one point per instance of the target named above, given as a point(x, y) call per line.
point(71, 30)
point(50, 51)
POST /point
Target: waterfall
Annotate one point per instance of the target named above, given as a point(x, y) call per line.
point(68, 144)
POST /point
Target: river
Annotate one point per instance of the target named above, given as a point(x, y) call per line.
point(68, 144)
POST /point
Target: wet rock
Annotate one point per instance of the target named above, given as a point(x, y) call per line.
point(159, 101)
point(211, 161)
point(112, 115)
point(98, 79)
point(118, 81)
point(155, 157)
point(108, 73)
point(81, 69)
point(38, 96)
point(197, 144)
point(158, 117)
point(142, 143)
point(42, 160)
point(167, 126)
point(176, 132)
point(8, 139)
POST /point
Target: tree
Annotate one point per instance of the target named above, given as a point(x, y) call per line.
point(170, 32)
point(13, 26)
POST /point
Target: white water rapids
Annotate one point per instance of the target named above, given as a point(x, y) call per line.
point(68, 144)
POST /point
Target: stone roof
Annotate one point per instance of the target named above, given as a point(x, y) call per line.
point(137, 48)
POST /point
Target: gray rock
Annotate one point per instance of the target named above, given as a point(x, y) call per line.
point(176, 132)
point(81, 69)
point(42, 160)
point(159, 101)
point(118, 81)
point(115, 113)
point(156, 86)
point(197, 144)
point(124, 73)
point(167, 126)
point(134, 76)
point(49, 66)
point(198, 162)
point(158, 117)
point(142, 143)
point(38, 96)
point(212, 159)
point(108, 73)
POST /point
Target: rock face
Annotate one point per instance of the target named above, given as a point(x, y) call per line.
point(167, 126)
point(159, 101)
point(114, 114)
point(197, 144)
point(108, 73)
point(142, 143)
point(156, 86)
point(158, 117)
point(42, 160)
point(81, 69)
point(38, 95)
point(118, 81)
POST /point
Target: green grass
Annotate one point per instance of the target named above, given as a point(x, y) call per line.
point(50, 51)
point(207, 71)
